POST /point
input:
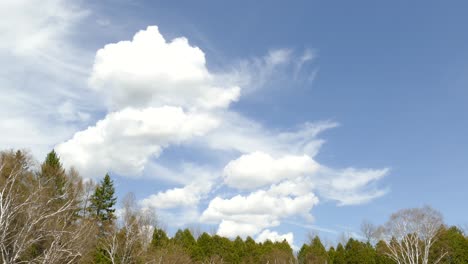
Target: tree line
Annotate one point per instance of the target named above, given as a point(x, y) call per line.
point(51, 215)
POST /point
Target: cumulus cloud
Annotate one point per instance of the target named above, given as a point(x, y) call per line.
point(124, 141)
point(187, 196)
point(273, 236)
point(248, 215)
point(149, 71)
point(258, 169)
point(292, 182)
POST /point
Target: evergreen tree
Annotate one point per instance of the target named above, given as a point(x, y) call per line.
point(223, 248)
point(340, 255)
point(358, 252)
point(103, 201)
point(331, 255)
point(452, 242)
point(205, 247)
point(302, 254)
point(381, 257)
point(159, 239)
point(251, 254)
point(315, 253)
point(52, 175)
point(239, 249)
point(185, 239)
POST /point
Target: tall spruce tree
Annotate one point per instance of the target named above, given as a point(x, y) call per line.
point(52, 174)
point(103, 201)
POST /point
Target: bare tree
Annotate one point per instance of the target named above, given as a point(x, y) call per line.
point(311, 235)
point(410, 233)
point(29, 216)
point(195, 230)
point(89, 187)
point(368, 231)
point(343, 238)
point(129, 240)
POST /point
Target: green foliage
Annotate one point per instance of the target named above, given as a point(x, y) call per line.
point(380, 254)
point(205, 247)
point(340, 255)
point(313, 253)
point(103, 201)
point(331, 255)
point(278, 252)
point(159, 239)
point(185, 240)
point(53, 187)
point(452, 242)
point(358, 252)
point(100, 257)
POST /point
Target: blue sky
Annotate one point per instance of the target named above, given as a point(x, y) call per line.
point(363, 103)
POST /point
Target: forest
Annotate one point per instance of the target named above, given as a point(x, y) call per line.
point(49, 214)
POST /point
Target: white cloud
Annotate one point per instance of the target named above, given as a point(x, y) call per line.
point(36, 26)
point(149, 71)
point(124, 141)
point(42, 72)
point(279, 67)
point(258, 169)
point(231, 229)
point(351, 186)
point(240, 134)
point(183, 174)
point(189, 195)
point(273, 236)
point(248, 215)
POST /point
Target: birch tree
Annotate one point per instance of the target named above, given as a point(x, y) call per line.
point(36, 227)
point(129, 239)
point(409, 235)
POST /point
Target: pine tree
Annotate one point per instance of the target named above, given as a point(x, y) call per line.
point(185, 239)
point(452, 242)
point(159, 239)
point(315, 253)
point(358, 252)
point(340, 255)
point(103, 201)
point(52, 175)
point(331, 255)
point(380, 254)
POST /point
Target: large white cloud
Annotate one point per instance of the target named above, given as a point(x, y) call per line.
point(149, 71)
point(257, 169)
point(292, 182)
point(248, 215)
point(124, 141)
